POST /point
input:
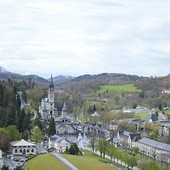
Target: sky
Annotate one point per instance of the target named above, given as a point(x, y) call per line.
point(76, 37)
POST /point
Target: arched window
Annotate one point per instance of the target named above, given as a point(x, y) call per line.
point(16, 151)
point(24, 151)
point(28, 150)
point(20, 150)
point(32, 150)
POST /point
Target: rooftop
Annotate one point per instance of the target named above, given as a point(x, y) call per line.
point(22, 142)
point(155, 144)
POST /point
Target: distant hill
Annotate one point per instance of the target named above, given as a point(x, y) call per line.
point(60, 79)
point(109, 78)
point(88, 83)
point(4, 74)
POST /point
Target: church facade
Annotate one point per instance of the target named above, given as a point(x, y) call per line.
point(47, 108)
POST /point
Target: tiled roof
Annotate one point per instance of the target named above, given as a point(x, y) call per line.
point(57, 138)
point(135, 136)
point(155, 144)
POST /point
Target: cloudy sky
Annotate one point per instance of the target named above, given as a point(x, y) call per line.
point(75, 37)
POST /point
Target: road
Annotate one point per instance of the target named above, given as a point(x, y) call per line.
point(65, 161)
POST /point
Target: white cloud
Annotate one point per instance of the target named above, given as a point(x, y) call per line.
point(79, 37)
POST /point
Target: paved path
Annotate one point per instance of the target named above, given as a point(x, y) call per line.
point(65, 161)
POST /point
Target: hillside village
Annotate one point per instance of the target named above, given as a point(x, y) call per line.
point(58, 130)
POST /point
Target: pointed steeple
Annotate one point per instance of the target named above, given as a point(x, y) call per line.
point(64, 110)
point(64, 107)
point(51, 83)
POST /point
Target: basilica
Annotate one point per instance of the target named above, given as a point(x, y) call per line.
point(64, 123)
point(47, 108)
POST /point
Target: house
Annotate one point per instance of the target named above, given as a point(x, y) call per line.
point(59, 143)
point(133, 139)
point(151, 117)
point(165, 128)
point(156, 150)
point(23, 147)
point(127, 139)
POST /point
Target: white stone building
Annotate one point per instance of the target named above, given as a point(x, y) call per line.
point(59, 143)
point(47, 108)
point(23, 147)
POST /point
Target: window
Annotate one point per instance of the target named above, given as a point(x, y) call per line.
point(28, 150)
point(32, 150)
point(20, 150)
point(16, 151)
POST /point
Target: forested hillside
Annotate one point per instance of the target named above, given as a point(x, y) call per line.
point(89, 83)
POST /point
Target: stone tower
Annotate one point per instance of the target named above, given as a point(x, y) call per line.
point(51, 98)
point(64, 111)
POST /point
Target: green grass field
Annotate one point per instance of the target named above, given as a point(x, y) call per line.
point(45, 162)
point(142, 115)
point(88, 162)
point(129, 88)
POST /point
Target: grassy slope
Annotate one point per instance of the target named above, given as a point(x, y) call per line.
point(88, 162)
point(44, 162)
point(118, 88)
point(142, 115)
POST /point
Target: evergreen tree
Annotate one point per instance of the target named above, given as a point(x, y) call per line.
point(24, 96)
point(20, 119)
point(74, 150)
point(94, 108)
point(11, 115)
point(52, 128)
point(1, 94)
point(18, 102)
point(26, 124)
point(38, 123)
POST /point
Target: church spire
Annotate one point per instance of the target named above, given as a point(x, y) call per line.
point(51, 83)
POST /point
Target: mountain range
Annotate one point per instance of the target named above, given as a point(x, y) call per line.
point(103, 78)
point(4, 74)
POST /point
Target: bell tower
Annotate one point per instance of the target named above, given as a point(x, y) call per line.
point(51, 98)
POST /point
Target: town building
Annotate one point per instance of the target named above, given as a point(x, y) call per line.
point(127, 140)
point(59, 143)
point(156, 150)
point(23, 147)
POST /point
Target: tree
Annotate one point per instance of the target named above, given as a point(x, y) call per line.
point(51, 128)
point(26, 125)
point(135, 150)
point(19, 168)
point(74, 150)
point(11, 115)
point(24, 96)
point(37, 135)
point(13, 132)
point(5, 167)
point(110, 150)
point(38, 123)
point(93, 141)
point(131, 161)
point(94, 108)
point(20, 118)
point(102, 147)
point(148, 164)
point(4, 140)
